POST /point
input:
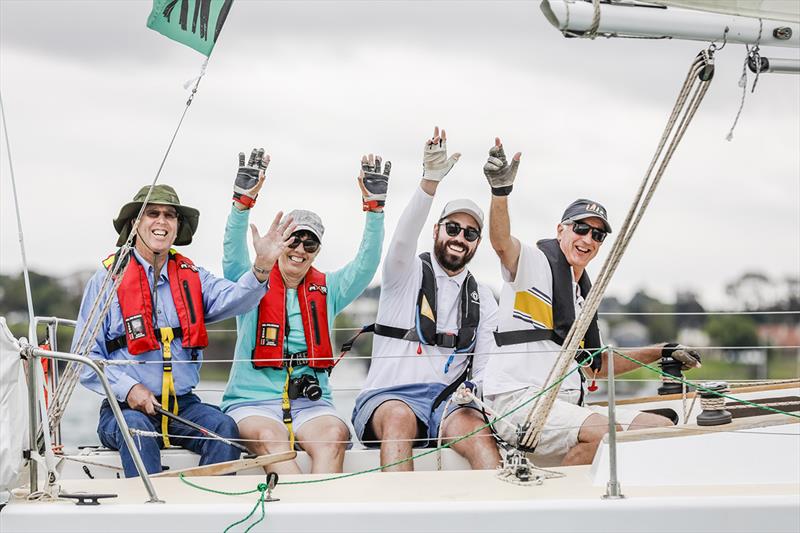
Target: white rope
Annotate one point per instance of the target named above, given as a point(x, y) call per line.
point(751, 54)
point(689, 98)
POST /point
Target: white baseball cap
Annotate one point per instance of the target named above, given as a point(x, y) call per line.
point(463, 205)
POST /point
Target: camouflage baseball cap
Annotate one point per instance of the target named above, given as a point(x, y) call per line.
point(188, 217)
point(308, 221)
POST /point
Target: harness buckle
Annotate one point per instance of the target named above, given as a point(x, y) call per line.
point(446, 340)
point(296, 359)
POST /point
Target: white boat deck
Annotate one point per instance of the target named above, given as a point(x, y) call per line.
point(415, 501)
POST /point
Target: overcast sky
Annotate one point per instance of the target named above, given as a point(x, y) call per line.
point(92, 97)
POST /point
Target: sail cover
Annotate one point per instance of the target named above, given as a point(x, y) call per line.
point(786, 10)
point(14, 409)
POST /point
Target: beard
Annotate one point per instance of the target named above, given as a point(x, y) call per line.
point(448, 260)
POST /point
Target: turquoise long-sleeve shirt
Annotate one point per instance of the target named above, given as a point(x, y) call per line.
point(247, 384)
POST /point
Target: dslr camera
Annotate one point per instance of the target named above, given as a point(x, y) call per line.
point(305, 386)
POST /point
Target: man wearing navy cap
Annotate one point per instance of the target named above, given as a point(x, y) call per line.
point(544, 290)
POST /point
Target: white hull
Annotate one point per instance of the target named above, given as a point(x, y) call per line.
point(419, 501)
point(742, 477)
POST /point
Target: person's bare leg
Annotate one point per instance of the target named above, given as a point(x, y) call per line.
point(325, 439)
point(589, 437)
point(394, 423)
point(272, 437)
point(480, 449)
point(649, 420)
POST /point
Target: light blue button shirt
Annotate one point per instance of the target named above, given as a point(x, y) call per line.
point(221, 299)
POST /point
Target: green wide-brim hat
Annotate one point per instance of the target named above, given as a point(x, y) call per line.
point(163, 195)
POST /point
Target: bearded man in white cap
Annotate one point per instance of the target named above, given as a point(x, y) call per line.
point(432, 333)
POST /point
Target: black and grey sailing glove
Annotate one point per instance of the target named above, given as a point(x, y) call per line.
point(498, 172)
point(246, 186)
point(374, 183)
point(688, 356)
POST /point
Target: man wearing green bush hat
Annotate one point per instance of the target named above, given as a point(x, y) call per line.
point(157, 317)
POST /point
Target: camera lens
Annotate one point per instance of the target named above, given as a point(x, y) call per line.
point(313, 392)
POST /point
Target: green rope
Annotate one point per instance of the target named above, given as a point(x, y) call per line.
point(452, 442)
point(262, 487)
point(417, 456)
point(243, 493)
point(704, 389)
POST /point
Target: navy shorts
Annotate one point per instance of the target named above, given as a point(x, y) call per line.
point(419, 397)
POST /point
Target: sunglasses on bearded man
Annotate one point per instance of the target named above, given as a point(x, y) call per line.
point(454, 228)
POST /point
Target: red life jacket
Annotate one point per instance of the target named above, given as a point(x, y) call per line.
point(312, 294)
point(137, 306)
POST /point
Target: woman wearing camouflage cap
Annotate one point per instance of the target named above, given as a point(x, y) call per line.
point(279, 391)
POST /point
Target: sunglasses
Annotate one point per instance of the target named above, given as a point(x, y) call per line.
point(309, 245)
point(582, 229)
point(454, 228)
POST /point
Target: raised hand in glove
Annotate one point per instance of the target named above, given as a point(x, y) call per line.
point(497, 170)
point(249, 178)
point(689, 357)
point(435, 163)
point(373, 183)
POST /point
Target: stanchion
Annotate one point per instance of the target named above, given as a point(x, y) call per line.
point(613, 489)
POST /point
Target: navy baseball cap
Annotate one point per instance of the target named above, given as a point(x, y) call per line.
point(583, 208)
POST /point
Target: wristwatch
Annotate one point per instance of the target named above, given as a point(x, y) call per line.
point(259, 270)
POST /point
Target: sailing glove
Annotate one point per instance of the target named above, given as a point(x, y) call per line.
point(689, 357)
point(248, 175)
point(499, 173)
point(374, 183)
point(435, 163)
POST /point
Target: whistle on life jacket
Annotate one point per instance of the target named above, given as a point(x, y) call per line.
point(593, 385)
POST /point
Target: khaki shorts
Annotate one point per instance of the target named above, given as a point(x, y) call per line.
point(560, 432)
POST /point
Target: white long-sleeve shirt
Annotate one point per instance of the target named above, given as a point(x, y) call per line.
point(395, 361)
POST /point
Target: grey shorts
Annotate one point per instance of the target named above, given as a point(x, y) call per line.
point(303, 410)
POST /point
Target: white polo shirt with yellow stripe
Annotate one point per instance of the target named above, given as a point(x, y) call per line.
point(527, 302)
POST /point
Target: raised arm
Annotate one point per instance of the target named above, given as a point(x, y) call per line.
point(403, 247)
point(501, 178)
point(249, 179)
point(353, 278)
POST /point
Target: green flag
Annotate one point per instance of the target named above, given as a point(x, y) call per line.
point(195, 23)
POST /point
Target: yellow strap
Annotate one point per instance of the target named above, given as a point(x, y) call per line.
point(167, 382)
point(286, 407)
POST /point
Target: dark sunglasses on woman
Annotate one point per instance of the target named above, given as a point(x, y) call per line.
point(454, 228)
point(309, 245)
point(582, 229)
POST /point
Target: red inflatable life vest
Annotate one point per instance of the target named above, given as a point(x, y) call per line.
point(137, 306)
point(312, 294)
